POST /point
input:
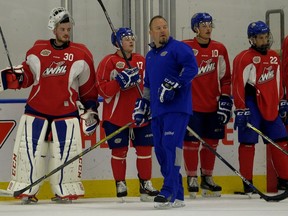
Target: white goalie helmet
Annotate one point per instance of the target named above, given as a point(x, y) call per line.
point(57, 15)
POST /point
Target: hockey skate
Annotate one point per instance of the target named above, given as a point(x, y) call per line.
point(282, 185)
point(209, 188)
point(178, 204)
point(248, 190)
point(121, 189)
point(193, 188)
point(147, 191)
point(161, 202)
point(28, 200)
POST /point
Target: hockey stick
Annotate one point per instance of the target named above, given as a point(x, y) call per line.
point(120, 46)
point(267, 138)
point(6, 49)
point(7, 193)
point(267, 198)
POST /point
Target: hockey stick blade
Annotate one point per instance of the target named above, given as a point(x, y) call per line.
point(267, 198)
point(7, 193)
point(266, 138)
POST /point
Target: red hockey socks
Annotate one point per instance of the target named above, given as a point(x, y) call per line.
point(207, 158)
point(246, 160)
point(190, 154)
point(280, 160)
point(118, 163)
point(144, 162)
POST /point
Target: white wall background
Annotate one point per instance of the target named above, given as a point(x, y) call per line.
point(23, 22)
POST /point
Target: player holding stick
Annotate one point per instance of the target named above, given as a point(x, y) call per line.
point(61, 73)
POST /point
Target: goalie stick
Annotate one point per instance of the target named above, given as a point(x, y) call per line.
point(267, 138)
point(120, 46)
point(267, 198)
point(7, 193)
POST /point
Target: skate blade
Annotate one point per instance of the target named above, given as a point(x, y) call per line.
point(61, 200)
point(192, 195)
point(122, 200)
point(166, 205)
point(28, 201)
point(208, 193)
point(146, 198)
point(178, 204)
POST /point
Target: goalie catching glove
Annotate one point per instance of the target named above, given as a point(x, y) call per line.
point(11, 79)
point(224, 111)
point(141, 113)
point(128, 78)
point(167, 89)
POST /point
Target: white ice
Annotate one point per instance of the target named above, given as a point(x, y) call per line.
point(232, 205)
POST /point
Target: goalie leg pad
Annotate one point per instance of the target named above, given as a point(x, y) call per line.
point(29, 154)
point(66, 144)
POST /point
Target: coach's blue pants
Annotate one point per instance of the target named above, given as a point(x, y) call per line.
point(168, 132)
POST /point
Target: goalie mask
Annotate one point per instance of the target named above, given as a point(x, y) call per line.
point(120, 34)
point(259, 28)
point(199, 18)
point(59, 15)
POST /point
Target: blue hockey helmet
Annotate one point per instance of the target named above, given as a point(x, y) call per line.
point(256, 28)
point(199, 18)
point(121, 33)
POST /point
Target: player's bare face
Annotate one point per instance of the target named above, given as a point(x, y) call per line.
point(62, 33)
point(261, 40)
point(204, 32)
point(159, 31)
point(128, 43)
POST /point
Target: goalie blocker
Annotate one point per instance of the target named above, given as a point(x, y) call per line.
point(30, 152)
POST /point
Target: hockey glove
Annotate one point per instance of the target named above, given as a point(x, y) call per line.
point(128, 78)
point(12, 79)
point(283, 109)
point(224, 111)
point(242, 117)
point(167, 89)
point(89, 121)
point(141, 113)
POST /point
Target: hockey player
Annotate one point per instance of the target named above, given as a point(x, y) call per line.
point(170, 67)
point(211, 108)
point(60, 73)
point(258, 94)
point(117, 84)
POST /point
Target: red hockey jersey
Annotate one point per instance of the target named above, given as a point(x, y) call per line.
point(118, 105)
point(262, 72)
point(214, 75)
point(285, 64)
point(59, 77)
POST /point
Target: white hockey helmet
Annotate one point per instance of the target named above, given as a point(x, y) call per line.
point(57, 15)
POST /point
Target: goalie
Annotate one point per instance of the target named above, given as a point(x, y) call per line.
point(61, 73)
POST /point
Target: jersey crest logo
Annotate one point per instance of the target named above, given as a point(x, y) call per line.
point(55, 69)
point(195, 52)
point(164, 53)
point(45, 52)
point(120, 65)
point(206, 67)
point(256, 59)
point(268, 74)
